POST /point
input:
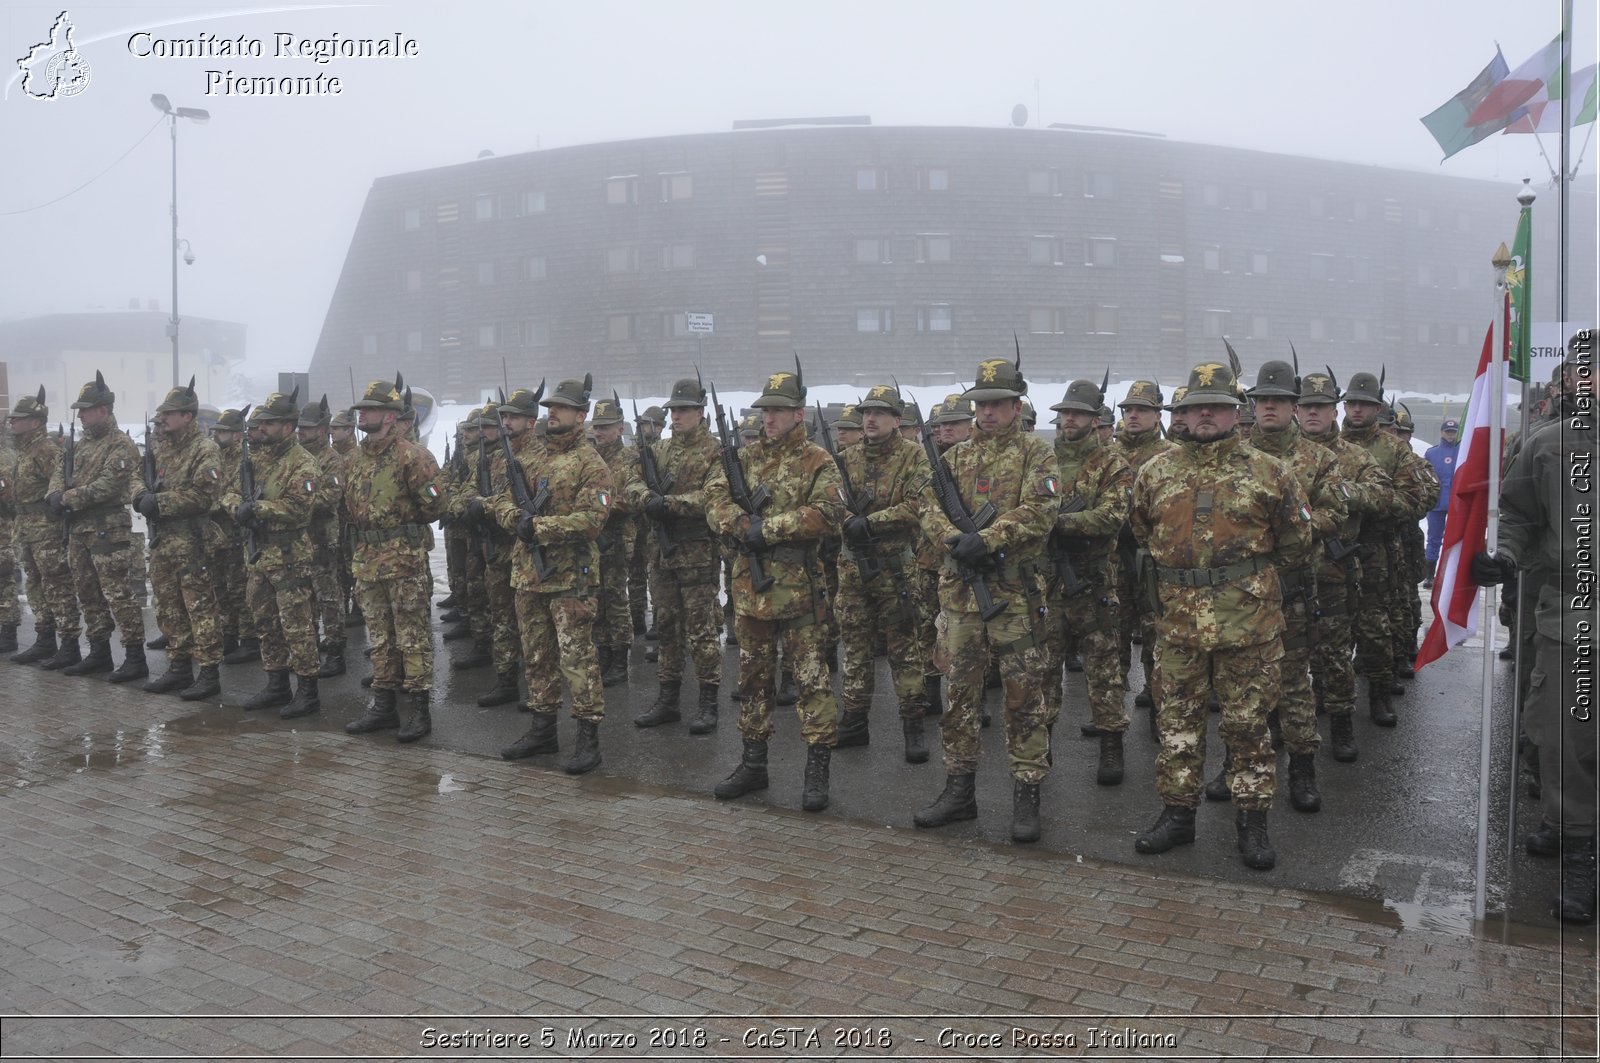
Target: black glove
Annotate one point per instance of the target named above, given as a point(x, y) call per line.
point(753, 538)
point(244, 514)
point(1488, 569)
point(967, 548)
point(525, 530)
point(655, 506)
point(146, 503)
point(475, 512)
point(56, 503)
point(858, 530)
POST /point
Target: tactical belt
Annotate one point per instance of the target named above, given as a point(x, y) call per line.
point(99, 511)
point(25, 509)
point(891, 561)
point(791, 555)
point(1210, 577)
point(410, 532)
point(1026, 642)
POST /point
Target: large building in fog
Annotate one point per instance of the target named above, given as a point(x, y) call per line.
point(914, 251)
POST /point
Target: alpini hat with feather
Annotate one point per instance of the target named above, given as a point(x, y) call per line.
point(574, 393)
point(998, 378)
point(180, 400)
point(278, 407)
point(95, 393)
point(31, 406)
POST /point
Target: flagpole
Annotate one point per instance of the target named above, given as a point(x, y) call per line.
point(1521, 608)
point(1497, 391)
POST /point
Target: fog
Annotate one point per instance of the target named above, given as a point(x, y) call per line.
point(271, 187)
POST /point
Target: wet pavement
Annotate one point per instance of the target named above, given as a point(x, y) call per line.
point(222, 883)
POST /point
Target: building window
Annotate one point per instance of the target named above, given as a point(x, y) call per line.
point(1258, 262)
point(675, 325)
point(1212, 259)
point(1319, 329)
point(676, 186)
point(486, 273)
point(535, 332)
point(411, 218)
point(874, 319)
point(1100, 251)
point(1100, 185)
point(936, 318)
point(622, 259)
point(872, 249)
point(619, 327)
point(413, 280)
point(414, 341)
point(871, 179)
point(1258, 199)
point(677, 256)
point(1044, 251)
point(1211, 195)
point(1214, 323)
point(622, 191)
point(1045, 320)
point(1103, 320)
point(532, 202)
point(933, 247)
point(488, 336)
point(1044, 182)
point(483, 208)
point(369, 343)
point(533, 267)
point(933, 179)
point(1258, 327)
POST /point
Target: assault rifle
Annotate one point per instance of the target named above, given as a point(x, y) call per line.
point(656, 481)
point(152, 483)
point(531, 503)
point(752, 502)
point(1070, 583)
point(486, 489)
point(867, 561)
point(955, 511)
point(247, 487)
point(69, 455)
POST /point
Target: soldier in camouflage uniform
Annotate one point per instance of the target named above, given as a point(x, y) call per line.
point(1139, 441)
point(1410, 547)
point(806, 505)
point(278, 584)
point(556, 608)
point(183, 539)
point(684, 591)
point(341, 436)
point(924, 579)
point(647, 430)
point(101, 551)
point(1365, 488)
point(326, 524)
point(953, 421)
point(40, 551)
point(455, 534)
point(1106, 426)
point(1218, 518)
point(10, 604)
point(239, 642)
point(613, 625)
point(1014, 471)
point(1083, 605)
point(497, 631)
point(471, 596)
point(886, 472)
point(393, 492)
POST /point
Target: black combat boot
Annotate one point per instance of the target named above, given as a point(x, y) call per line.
point(275, 694)
point(99, 659)
point(419, 720)
point(586, 757)
point(705, 717)
point(616, 669)
point(305, 700)
point(1303, 793)
point(1342, 736)
point(1024, 811)
point(229, 644)
point(539, 739)
point(355, 619)
point(638, 623)
point(1175, 826)
point(249, 649)
point(366, 681)
point(157, 643)
point(207, 684)
point(729, 638)
point(1546, 841)
point(1575, 902)
point(957, 802)
point(651, 634)
point(749, 776)
point(1144, 699)
point(933, 688)
point(916, 743)
point(68, 653)
point(380, 715)
point(1403, 667)
point(665, 709)
point(8, 638)
point(1087, 730)
point(815, 796)
point(179, 674)
point(1378, 704)
point(504, 691)
point(1108, 772)
point(853, 729)
point(788, 693)
point(1074, 662)
point(462, 630)
point(1219, 788)
point(448, 601)
point(43, 648)
point(480, 656)
point(133, 666)
point(652, 654)
point(332, 661)
point(1253, 844)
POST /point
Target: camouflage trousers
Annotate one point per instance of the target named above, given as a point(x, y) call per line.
point(1296, 704)
point(1331, 661)
point(1566, 743)
point(10, 605)
point(804, 651)
point(49, 576)
point(473, 596)
point(557, 644)
point(397, 618)
point(1373, 631)
point(455, 559)
point(925, 595)
point(1093, 617)
point(280, 602)
point(1403, 600)
point(828, 553)
point(102, 570)
point(505, 641)
point(186, 601)
point(229, 580)
point(639, 574)
point(330, 597)
point(1245, 679)
point(687, 619)
point(964, 645)
point(614, 624)
point(863, 609)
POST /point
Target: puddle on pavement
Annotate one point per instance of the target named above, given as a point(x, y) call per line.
point(1446, 919)
point(449, 784)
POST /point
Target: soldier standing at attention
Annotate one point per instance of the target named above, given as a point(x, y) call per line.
point(613, 630)
point(648, 427)
point(10, 604)
point(1410, 545)
point(279, 588)
point(40, 550)
point(788, 607)
point(239, 643)
point(556, 605)
point(684, 591)
point(183, 538)
point(1014, 472)
point(1218, 517)
point(326, 524)
point(341, 437)
point(496, 638)
point(930, 557)
point(107, 462)
point(1140, 441)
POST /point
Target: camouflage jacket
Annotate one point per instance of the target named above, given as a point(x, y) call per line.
point(1099, 475)
point(286, 479)
point(580, 499)
point(38, 461)
point(690, 459)
point(1547, 504)
point(807, 505)
point(1424, 484)
point(190, 468)
point(1317, 473)
point(1199, 508)
point(327, 510)
point(888, 476)
point(930, 552)
point(104, 473)
point(392, 493)
point(623, 464)
point(228, 466)
point(1016, 471)
point(8, 473)
point(1138, 449)
point(1387, 510)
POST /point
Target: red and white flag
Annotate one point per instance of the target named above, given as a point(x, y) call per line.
point(1466, 522)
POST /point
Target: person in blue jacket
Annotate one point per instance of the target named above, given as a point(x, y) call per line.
point(1443, 459)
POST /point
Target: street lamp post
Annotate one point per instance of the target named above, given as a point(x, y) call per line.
point(194, 114)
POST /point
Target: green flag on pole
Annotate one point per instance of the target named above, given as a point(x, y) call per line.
point(1517, 279)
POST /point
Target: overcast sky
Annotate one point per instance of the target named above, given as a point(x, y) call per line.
point(270, 189)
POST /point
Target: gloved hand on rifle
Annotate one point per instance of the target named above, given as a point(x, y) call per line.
point(526, 531)
point(655, 507)
point(146, 504)
point(244, 514)
point(1489, 569)
point(475, 512)
point(57, 505)
point(858, 530)
point(967, 548)
point(753, 537)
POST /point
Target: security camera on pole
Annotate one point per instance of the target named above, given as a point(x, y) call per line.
point(194, 114)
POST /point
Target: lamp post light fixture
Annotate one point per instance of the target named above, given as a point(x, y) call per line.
point(194, 114)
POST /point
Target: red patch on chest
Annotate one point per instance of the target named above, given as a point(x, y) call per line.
point(983, 485)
